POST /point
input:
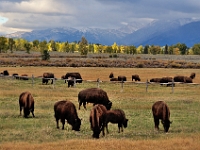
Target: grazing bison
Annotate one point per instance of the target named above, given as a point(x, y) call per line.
point(161, 111)
point(97, 119)
point(26, 102)
point(116, 116)
point(121, 78)
point(75, 75)
point(71, 81)
point(136, 77)
point(46, 77)
point(157, 80)
point(95, 96)
point(165, 79)
point(66, 110)
point(185, 79)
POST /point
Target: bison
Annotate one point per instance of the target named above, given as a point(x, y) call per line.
point(71, 81)
point(95, 96)
point(161, 112)
point(75, 75)
point(136, 77)
point(47, 76)
point(185, 79)
point(165, 79)
point(65, 109)
point(26, 101)
point(157, 80)
point(111, 75)
point(121, 78)
point(116, 116)
point(97, 119)
point(5, 73)
point(113, 79)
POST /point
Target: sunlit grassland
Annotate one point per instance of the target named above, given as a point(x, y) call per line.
point(41, 133)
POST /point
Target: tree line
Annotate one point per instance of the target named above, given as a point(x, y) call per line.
point(83, 47)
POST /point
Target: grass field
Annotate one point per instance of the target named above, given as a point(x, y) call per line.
point(41, 132)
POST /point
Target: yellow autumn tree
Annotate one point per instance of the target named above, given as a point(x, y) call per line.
point(139, 49)
point(115, 47)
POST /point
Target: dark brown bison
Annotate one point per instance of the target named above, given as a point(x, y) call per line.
point(161, 112)
point(75, 75)
point(26, 101)
point(111, 75)
point(5, 73)
point(95, 96)
point(188, 80)
point(113, 79)
point(15, 75)
point(66, 110)
point(165, 79)
point(121, 78)
point(71, 81)
point(24, 77)
point(157, 80)
point(185, 79)
point(47, 76)
point(116, 116)
point(192, 76)
point(136, 77)
point(97, 119)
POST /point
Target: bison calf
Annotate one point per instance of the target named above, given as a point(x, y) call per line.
point(67, 110)
point(97, 119)
point(26, 102)
point(95, 96)
point(116, 116)
point(161, 112)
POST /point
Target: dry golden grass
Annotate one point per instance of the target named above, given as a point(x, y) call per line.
point(45, 95)
point(187, 143)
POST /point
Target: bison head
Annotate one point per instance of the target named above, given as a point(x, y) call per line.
point(125, 123)
point(96, 133)
point(77, 125)
point(109, 105)
point(26, 112)
point(166, 125)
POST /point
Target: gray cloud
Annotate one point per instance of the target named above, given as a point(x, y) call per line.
point(37, 14)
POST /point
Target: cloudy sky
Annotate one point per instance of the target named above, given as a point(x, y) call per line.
point(26, 15)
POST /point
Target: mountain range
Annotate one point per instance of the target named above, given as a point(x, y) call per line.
point(157, 32)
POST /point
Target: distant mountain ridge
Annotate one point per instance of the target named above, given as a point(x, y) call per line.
point(157, 32)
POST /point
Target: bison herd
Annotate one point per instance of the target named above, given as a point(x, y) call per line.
point(100, 114)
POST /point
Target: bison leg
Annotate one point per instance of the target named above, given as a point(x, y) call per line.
point(80, 103)
point(51, 81)
point(33, 113)
point(156, 121)
point(20, 110)
point(32, 110)
point(84, 105)
point(57, 123)
point(120, 126)
point(63, 123)
point(106, 125)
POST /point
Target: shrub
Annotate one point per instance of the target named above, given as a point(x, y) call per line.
point(45, 55)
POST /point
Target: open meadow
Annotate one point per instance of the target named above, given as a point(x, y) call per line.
point(135, 98)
